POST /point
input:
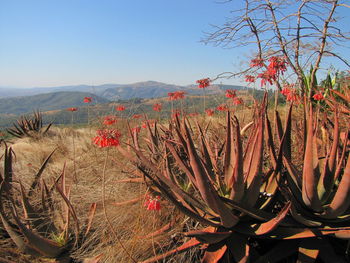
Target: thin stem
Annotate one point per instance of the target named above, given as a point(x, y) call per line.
point(105, 211)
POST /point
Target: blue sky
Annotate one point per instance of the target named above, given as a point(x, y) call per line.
point(64, 42)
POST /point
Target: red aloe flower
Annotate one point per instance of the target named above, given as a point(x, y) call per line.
point(222, 107)
point(152, 203)
point(318, 96)
point(157, 107)
point(257, 62)
point(285, 91)
point(87, 100)
point(209, 112)
point(72, 109)
point(293, 96)
point(237, 101)
point(107, 138)
point(230, 93)
point(249, 78)
point(120, 108)
point(177, 95)
point(203, 83)
point(109, 120)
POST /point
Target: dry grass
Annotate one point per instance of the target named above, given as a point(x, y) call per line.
point(84, 164)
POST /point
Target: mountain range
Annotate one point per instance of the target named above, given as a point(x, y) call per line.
point(20, 100)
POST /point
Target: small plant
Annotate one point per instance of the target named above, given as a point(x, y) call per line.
point(29, 126)
point(40, 230)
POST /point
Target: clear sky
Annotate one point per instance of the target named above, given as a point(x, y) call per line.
point(65, 42)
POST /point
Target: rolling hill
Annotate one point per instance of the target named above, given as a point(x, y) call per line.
point(46, 102)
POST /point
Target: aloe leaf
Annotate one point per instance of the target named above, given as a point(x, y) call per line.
point(183, 248)
point(310, 180)
point(214, 253)
point(210, 236)
point(236, 180)
point(182, 164)
point(308, 250)
point(38, 175)
point(272, 224)
point(44, 246)
point(341, 200)
point(71, 211)
point(205, 188)
point(302, 220)
point(254, 173)
point(184, 209)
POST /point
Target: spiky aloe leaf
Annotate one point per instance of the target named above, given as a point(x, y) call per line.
point(39, 173)
point(310, 178)
point(205, 188)
point(209, 236)
point(235, 181)
point(341, 200)
point(308, 250)
point(44, 246)
point(71, 211)
point(214, 253)
point(253, 163)
point(13, 233)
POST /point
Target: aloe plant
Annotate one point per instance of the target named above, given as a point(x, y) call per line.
point(249, 192)
point(38, 234)
point(29, 126)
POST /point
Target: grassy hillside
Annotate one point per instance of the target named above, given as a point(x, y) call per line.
point(45, 102)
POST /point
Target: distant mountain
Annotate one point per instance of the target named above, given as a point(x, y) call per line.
point(46, 102)
point(147, 89)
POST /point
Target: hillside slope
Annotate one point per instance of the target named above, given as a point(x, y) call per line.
point(45, 102)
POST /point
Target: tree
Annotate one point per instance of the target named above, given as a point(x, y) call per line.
point(302, 32)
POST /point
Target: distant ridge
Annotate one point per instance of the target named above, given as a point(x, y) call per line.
point(46, 102)
point(146, 89)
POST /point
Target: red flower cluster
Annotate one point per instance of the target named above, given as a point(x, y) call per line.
point(157, 107)
point(230, 93)
point(237, 101)
point(209, 112)
point(152, 203)
point(87, 100)
point(257, 62)
point(107, 138)
point(222, 107)
point(290, 94)
point(277, 66)
point(203, 83)
point(72, 109)
point(120, 108)
point(318, 96)
point(250, 78)
point(109, 120)
point(177, 95)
